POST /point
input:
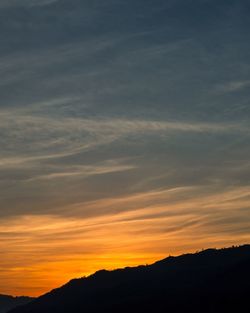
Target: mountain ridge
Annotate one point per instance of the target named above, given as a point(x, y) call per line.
point(7, 302)
point(213, 280)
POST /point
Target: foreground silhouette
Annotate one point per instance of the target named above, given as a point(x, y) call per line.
point(9, 302)
point(209, 281)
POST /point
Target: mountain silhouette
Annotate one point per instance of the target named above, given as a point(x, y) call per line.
point(9, 302)
point(208, 281)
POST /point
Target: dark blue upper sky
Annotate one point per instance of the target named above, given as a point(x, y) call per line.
point(161, 86)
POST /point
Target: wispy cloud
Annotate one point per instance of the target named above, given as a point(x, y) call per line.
point(233, 86)
point(111, 166)
point(18, 3)
point(37, 137)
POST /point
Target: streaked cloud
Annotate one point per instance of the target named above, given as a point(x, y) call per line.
point(18, 3)
point(64, 136)
point(234, 86)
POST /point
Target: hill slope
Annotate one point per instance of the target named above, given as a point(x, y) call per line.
point(9, 302)
point(209, 281)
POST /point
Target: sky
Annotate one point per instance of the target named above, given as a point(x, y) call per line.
point(124, 134)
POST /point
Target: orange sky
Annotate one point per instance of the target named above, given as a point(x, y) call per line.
point(39, 253)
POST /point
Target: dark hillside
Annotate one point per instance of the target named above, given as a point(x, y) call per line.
point(9, 302)
point(209, 281)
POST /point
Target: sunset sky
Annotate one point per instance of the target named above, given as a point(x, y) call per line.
point(124, 134)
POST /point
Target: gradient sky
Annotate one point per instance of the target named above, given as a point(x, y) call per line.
point(124, 134)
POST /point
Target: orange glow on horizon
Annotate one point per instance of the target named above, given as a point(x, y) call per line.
point(40, 253)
